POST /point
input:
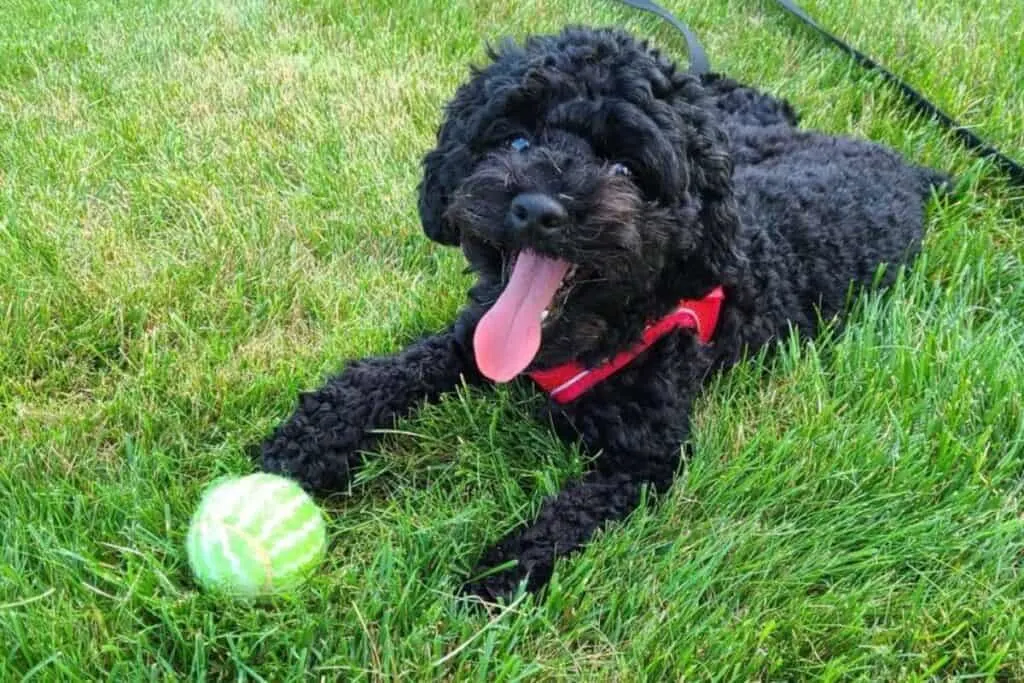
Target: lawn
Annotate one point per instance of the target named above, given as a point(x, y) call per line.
point(207, 205)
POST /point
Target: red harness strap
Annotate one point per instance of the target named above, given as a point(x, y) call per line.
point(566, 383)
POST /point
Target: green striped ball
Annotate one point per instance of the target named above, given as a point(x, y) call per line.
point(255, 535)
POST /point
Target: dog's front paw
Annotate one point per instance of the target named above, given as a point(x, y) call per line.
point(318, 446)
point(506, 568)
point(501, 586)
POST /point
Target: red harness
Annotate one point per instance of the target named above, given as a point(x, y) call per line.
point(566, 383)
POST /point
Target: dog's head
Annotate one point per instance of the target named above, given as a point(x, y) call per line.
point(589, 191)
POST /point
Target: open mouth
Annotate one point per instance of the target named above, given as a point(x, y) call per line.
point(561, 294)
point(508, 336)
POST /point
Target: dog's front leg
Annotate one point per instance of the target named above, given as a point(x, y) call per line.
point(636, 425)
point(321, 444)
point(565, 523)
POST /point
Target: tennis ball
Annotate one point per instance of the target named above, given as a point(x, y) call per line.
point(255, 535)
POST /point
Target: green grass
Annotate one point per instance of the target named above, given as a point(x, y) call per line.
point(206, 206)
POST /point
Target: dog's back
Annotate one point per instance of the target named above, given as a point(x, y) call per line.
point(820, 215)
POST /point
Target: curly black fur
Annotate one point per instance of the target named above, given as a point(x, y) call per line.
point(671, 185)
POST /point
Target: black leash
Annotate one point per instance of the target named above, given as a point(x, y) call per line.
point(699, 65)
point(919, 101)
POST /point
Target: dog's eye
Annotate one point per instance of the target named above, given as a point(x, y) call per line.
point(620, 169)
point(519, 144)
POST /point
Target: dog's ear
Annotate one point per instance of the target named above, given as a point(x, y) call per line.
point(470, 114)
point(443, 167)
point(712, 175)
point(451, 160)
point(708, 165)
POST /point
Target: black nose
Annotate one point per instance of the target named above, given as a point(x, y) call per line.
point(532, 210)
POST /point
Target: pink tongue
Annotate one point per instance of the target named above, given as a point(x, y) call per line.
point(508, 336)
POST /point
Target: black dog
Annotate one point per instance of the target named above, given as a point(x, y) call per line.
point(633, 228)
